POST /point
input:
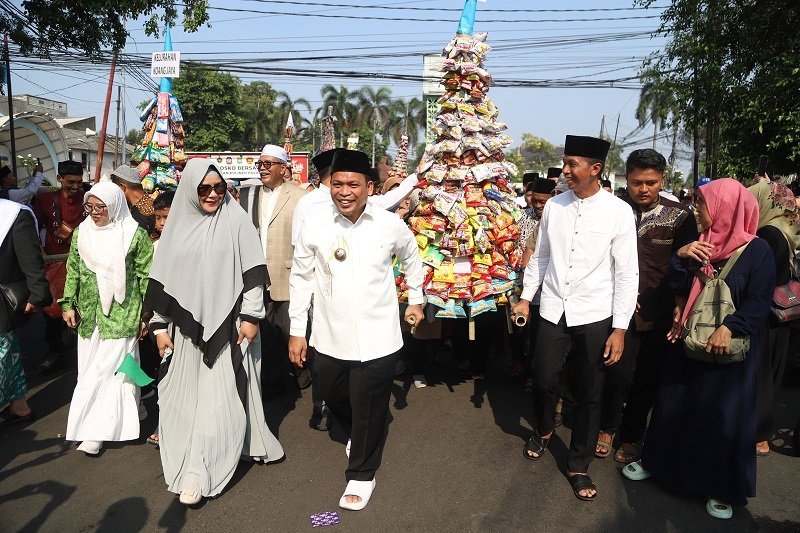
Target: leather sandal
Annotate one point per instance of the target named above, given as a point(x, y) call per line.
point(604, 443)
point(537, 445)
point(581, 482)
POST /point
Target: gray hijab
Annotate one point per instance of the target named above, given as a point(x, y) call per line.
point(204, 262)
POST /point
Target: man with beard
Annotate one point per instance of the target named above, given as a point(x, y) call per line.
point(585, 263)
point(59, 213)
point(663, 226)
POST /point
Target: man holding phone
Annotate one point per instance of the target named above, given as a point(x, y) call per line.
point(59, 213)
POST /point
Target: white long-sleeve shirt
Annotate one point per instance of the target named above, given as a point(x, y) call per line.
point(356, 314)
point(320, 199)
point(24, 194)
point(585, 261)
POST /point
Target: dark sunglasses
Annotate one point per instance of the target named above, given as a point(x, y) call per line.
point(266, 165)
point(205, 189)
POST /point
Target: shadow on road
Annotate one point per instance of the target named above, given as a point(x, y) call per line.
point(57, 492)
point(129, 514)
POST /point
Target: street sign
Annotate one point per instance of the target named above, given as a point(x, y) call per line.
point(165, 65)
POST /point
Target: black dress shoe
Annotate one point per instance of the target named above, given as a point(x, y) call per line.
point(303, 377)
point(319, 418)
point(51, 364)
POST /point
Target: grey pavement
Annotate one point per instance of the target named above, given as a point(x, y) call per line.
point(453, 462)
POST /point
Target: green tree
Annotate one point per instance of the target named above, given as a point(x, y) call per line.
point(133, 136)
point(257, 107)
point(285, 105)
point(343, 101)
point(92, 26)
point(656, 104)
point(537, 153)
point(732, 67)
point(211, 102)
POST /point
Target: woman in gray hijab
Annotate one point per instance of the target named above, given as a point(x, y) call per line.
point(206, 291)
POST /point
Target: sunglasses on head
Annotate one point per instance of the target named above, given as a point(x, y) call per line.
point(205, 189)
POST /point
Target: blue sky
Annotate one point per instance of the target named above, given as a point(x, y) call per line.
point(525, 50)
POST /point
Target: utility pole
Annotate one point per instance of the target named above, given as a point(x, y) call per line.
point(101, 142)
point(117, 160)
point(10, 95)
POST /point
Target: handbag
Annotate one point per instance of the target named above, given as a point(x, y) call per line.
point(14, 296)
point(786, 301)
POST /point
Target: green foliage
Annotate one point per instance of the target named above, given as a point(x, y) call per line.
point(211, 104)
point(732, 68)
point(93, 26)
point(133, 137)
point(537, 154)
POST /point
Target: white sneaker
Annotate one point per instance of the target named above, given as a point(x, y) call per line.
point(420, 381)
point(142, 411)
point(90, 447)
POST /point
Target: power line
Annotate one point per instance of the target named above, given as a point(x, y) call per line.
point(438, 21)
point(452, 10)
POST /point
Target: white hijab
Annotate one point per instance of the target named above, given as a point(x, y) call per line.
point(8, 214)
point(103, 249)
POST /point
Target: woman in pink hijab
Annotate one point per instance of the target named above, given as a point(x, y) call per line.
point(703, 429)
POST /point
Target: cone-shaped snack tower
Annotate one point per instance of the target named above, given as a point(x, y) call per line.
point(159, 154)
point(400, 166)
point(466, 220)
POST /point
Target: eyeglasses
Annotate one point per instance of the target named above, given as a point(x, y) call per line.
point(205, 189)
point(266, 165)
point(94, 208)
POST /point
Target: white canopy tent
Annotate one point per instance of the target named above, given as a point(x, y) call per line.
point(38, 134)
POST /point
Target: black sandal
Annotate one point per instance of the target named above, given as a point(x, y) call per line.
point(537, 445)
point(581, 482)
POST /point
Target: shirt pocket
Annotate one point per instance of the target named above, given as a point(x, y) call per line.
point(379, 255)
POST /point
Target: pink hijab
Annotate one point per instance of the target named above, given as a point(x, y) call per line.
point(734, 222)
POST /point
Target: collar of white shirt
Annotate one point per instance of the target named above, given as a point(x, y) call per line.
point(337, 215)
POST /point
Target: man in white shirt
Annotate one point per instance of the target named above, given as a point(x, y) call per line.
point(343, 258)
point(8, 185)
point(587, 267)
point(321, 197)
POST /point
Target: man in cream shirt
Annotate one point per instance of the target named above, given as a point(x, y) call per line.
point(343, 258)
point(587, 267)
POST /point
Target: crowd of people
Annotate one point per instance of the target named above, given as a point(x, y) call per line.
point(221, 292)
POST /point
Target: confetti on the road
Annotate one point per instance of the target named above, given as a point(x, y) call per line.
point(328, 518)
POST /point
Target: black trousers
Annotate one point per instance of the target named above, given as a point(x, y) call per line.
point(274, 343)
point(630, 386)
point(357, 394)
point(587, 343)
point(773, 350)
point(54, 334)
point(487, 331)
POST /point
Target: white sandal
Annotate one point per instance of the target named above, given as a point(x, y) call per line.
point(719, 509)
point(362, 489)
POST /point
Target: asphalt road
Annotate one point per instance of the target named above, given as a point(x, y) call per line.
point(453, 462)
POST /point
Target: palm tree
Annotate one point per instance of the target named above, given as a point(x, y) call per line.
point(285, 105)
point(343, 102)
point(656, 105)
point(374, 104)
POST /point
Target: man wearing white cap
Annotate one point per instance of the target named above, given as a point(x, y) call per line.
point(271, 206)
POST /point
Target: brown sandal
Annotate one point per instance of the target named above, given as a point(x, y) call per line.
point(604, 443)
point(627, 453)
